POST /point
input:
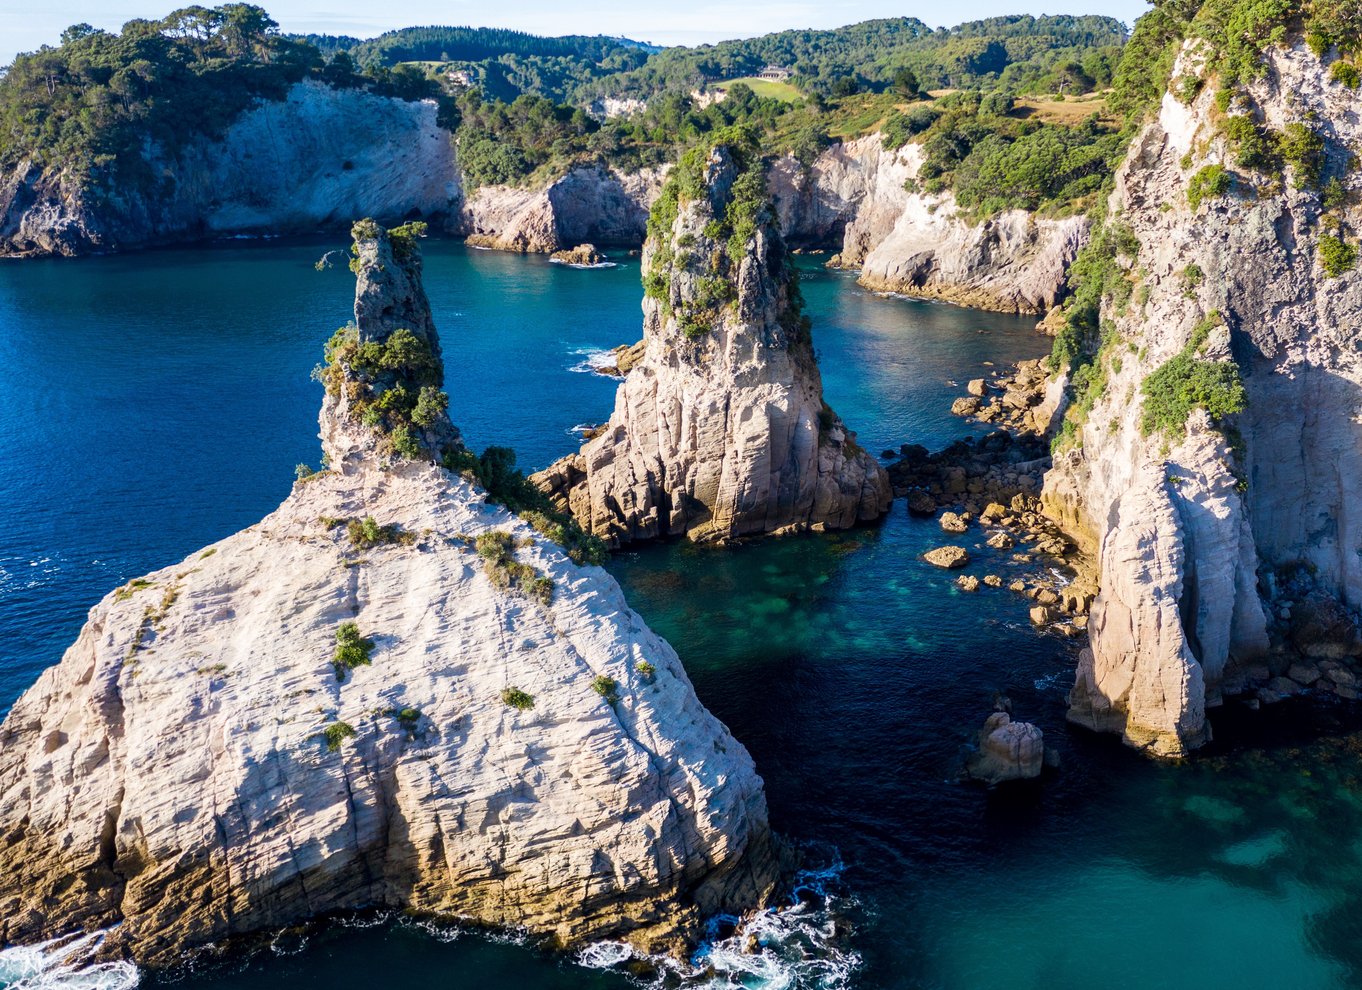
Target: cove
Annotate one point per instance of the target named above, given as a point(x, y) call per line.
point(154, 403)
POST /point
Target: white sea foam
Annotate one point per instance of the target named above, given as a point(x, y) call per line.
point(573, 264)
point(797, 946)
point(592, 360)
point(57, 965)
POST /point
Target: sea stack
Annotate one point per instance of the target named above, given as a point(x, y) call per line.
point(1213, 451)
point(391, 693)
point(720, 431)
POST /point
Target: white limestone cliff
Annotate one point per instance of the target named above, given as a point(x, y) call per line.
point(315, 159)
point(201, 766)
point(720, 430)
point(1218, 558)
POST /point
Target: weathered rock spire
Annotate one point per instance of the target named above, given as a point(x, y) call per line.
point(720, 431)
point(347, 706)
point(383, 373)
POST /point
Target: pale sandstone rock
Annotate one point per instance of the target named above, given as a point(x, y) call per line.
point(1181, 610)
point(967, 582)
point(948, 558)
point(721, 432)
point(1007, 751)
point(171, 775)
point(954, 523)
point(317, 158)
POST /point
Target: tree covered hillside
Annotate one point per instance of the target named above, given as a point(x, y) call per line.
point(94, 104)
point(1021, 53)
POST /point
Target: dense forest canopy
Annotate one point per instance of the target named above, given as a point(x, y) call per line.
point(517, 103)
point(93, 104)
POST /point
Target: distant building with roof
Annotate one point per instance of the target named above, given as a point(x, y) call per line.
point(776, 73)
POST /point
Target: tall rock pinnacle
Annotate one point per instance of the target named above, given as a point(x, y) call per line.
point(720, 431)
point(387, 694)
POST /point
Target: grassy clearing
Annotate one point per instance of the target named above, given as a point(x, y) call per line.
point(767, 89)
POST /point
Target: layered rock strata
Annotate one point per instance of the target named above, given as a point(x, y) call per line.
point(387, 693)
point(720, 430)
point(316, 159)
point(1217, 536)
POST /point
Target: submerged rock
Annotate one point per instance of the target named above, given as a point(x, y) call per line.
point(720, 431)
point(387, 693)
point(1007, 751)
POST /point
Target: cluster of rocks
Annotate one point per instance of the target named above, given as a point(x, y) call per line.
point(619, 361)
point(585, 255)
point(1316, 646)
point(970, 472)
point(1022, 400)
point(1019, 526)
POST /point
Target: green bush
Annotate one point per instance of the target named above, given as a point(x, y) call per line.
point(495, 470)
point(607, 688)
point(645, 670)
point(1210, 182)
point(336, 733)
point(497, 549)
point(1336, 256)
point(1345, 74)
point(1254, 150)
point(1303, 150)
point(366, 533)
point(352, 650)
point(518, 699)
point(1185, 382)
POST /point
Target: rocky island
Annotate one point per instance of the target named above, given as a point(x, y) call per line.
point(389, 693)
point(720, 429)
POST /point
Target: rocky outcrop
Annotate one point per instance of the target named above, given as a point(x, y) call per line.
point(387, 693)
point(918, 244)
point(315, 159)
point(1211, 533)
point(1007, 751)
point(587, 205)
point(720, 431)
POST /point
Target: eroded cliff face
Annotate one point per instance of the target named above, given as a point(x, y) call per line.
point(720, 430)
point(591, 205)
point(314, 160)
point(1229, 549)
point(856, 194)
point(498, 737)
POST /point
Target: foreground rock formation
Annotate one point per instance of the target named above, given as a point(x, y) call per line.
point(387, 693)
point(317, 158)
point(720, 431)
point(1228, 542)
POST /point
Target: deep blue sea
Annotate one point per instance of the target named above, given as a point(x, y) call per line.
point(153, 403)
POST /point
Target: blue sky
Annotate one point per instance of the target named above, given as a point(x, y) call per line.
point(26, 24)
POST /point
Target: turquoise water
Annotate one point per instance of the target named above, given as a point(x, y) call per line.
point(154, 403)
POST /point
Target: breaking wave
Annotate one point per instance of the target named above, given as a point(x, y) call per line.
point(592, 360)
point(801, 945)
point(57, 965)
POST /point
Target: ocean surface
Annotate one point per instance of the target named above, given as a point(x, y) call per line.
point(153, 403)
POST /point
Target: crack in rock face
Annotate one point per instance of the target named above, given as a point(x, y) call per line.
point(348, 705)
point(720, 430)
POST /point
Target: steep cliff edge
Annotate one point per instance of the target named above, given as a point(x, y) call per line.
point(1214, 450)
point(314, 159)
point(720, 431)
point(864, 195)
point(588, 205)
point(388, 693)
